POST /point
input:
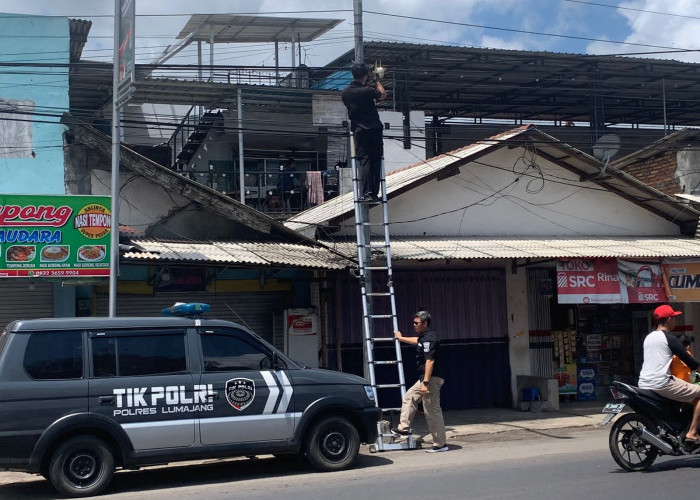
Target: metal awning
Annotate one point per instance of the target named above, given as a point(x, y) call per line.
point(227, 28)
point(237, 253)
point(554, 247)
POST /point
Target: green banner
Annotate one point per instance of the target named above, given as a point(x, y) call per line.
point(54, 236)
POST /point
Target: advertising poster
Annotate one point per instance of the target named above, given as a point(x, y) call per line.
point(54, 236)
point(641, 283)
point(586, 379)
point(301, 336)
point(683, 280)
point(588, 281)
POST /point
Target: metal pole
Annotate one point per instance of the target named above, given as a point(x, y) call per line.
point(200, 75)
point(277, 62)
point(359, 44)
point(114, 236)
point(292, 75)
point(663, 86)
point(211, 53)
point(241, 177)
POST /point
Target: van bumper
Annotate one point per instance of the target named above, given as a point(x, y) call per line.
point(370, 416)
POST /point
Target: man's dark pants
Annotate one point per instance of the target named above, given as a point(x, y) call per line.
point(369, 149)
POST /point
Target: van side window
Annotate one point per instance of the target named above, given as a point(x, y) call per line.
point(232, 352)
point(133, 354)
point(54, 356)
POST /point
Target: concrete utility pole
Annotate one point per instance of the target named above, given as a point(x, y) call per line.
point(114, 188)
point(359, 43)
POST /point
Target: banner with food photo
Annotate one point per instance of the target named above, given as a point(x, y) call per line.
point(54, 236)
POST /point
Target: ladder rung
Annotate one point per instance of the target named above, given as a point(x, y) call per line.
point(382, 339)
point(378, 294)
point(377, 268)
point(388, 386)
point(380, 316)
point(393, 362)
point(372, 223)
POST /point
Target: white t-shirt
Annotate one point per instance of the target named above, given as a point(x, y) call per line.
point(659, 348)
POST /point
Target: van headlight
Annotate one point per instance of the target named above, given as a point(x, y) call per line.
point(369, 392)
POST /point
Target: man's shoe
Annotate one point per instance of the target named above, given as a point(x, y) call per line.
point(437, 449)
point(399, 432)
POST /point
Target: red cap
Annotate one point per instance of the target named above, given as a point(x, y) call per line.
point(665, 311)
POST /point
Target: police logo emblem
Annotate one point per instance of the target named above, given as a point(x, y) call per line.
point(240, 392)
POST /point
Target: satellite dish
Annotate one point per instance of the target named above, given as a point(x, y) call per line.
point(605, 148)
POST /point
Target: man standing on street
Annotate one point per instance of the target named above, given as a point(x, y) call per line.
point(430, 380)
point(366, 127)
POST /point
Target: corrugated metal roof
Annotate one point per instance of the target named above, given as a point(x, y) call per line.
point(241, 253)
point(229, 28)
point(546, 146)
point(439, 248)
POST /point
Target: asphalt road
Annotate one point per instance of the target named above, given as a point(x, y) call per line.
point(556, 465)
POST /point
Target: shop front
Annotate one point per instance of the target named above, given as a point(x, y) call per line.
point(588, 318)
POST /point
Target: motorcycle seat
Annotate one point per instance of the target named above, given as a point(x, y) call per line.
point(648, 396)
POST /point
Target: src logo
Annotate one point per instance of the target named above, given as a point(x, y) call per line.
point(240, 392)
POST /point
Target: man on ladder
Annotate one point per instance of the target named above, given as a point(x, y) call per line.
point(368, 181)
point(359, 97)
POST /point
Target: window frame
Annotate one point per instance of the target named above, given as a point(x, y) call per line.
point(136, 333)
point(55, 334)
point(243, 336)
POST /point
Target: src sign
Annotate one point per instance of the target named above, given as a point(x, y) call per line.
point(584, 281)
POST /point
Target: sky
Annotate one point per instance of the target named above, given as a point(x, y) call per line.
point(668, 29)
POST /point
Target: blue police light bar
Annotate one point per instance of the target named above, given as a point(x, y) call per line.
point(186, 309)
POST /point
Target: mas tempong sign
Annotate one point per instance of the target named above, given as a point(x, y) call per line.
point(54, 236)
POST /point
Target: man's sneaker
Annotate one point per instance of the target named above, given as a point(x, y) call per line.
point(437, 449)
point(399, 432)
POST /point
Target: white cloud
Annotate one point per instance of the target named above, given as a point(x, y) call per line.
point(680, 31)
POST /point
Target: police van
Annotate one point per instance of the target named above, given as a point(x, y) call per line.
point(80, 397)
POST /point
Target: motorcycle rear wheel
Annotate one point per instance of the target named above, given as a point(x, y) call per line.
point(629, 450)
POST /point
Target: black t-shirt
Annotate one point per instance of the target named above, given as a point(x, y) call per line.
point(359, 99)
point(428, 348)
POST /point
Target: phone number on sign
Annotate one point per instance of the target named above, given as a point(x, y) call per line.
point(57, 272)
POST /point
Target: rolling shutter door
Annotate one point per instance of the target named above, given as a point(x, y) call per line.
point(18, 301)
point(254, 310)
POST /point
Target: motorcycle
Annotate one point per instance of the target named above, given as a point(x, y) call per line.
point(656, 426)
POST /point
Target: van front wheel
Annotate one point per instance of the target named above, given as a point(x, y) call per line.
point(333, 444)
point(81, 466)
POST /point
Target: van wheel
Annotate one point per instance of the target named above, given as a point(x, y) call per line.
point(333, 444)
point(82, 466)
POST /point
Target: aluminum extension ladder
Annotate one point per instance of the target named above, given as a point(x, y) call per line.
point(377, 350)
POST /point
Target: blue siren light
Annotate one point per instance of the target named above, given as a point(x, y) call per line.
point(186, 309)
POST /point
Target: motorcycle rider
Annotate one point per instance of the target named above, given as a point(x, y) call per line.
point(659, 347)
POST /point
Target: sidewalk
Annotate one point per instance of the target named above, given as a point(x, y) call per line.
point(463, 425)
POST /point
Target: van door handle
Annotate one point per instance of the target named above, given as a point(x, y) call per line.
point(106, 400)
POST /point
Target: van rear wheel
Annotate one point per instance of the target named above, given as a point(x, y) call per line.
point(333, 444)
point(81, 466)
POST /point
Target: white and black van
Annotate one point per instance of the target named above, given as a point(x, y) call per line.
point(80, 397)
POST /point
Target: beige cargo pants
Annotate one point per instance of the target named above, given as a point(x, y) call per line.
point(431, 409)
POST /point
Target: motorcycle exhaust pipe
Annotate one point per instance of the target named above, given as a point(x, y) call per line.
point(653, 440)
